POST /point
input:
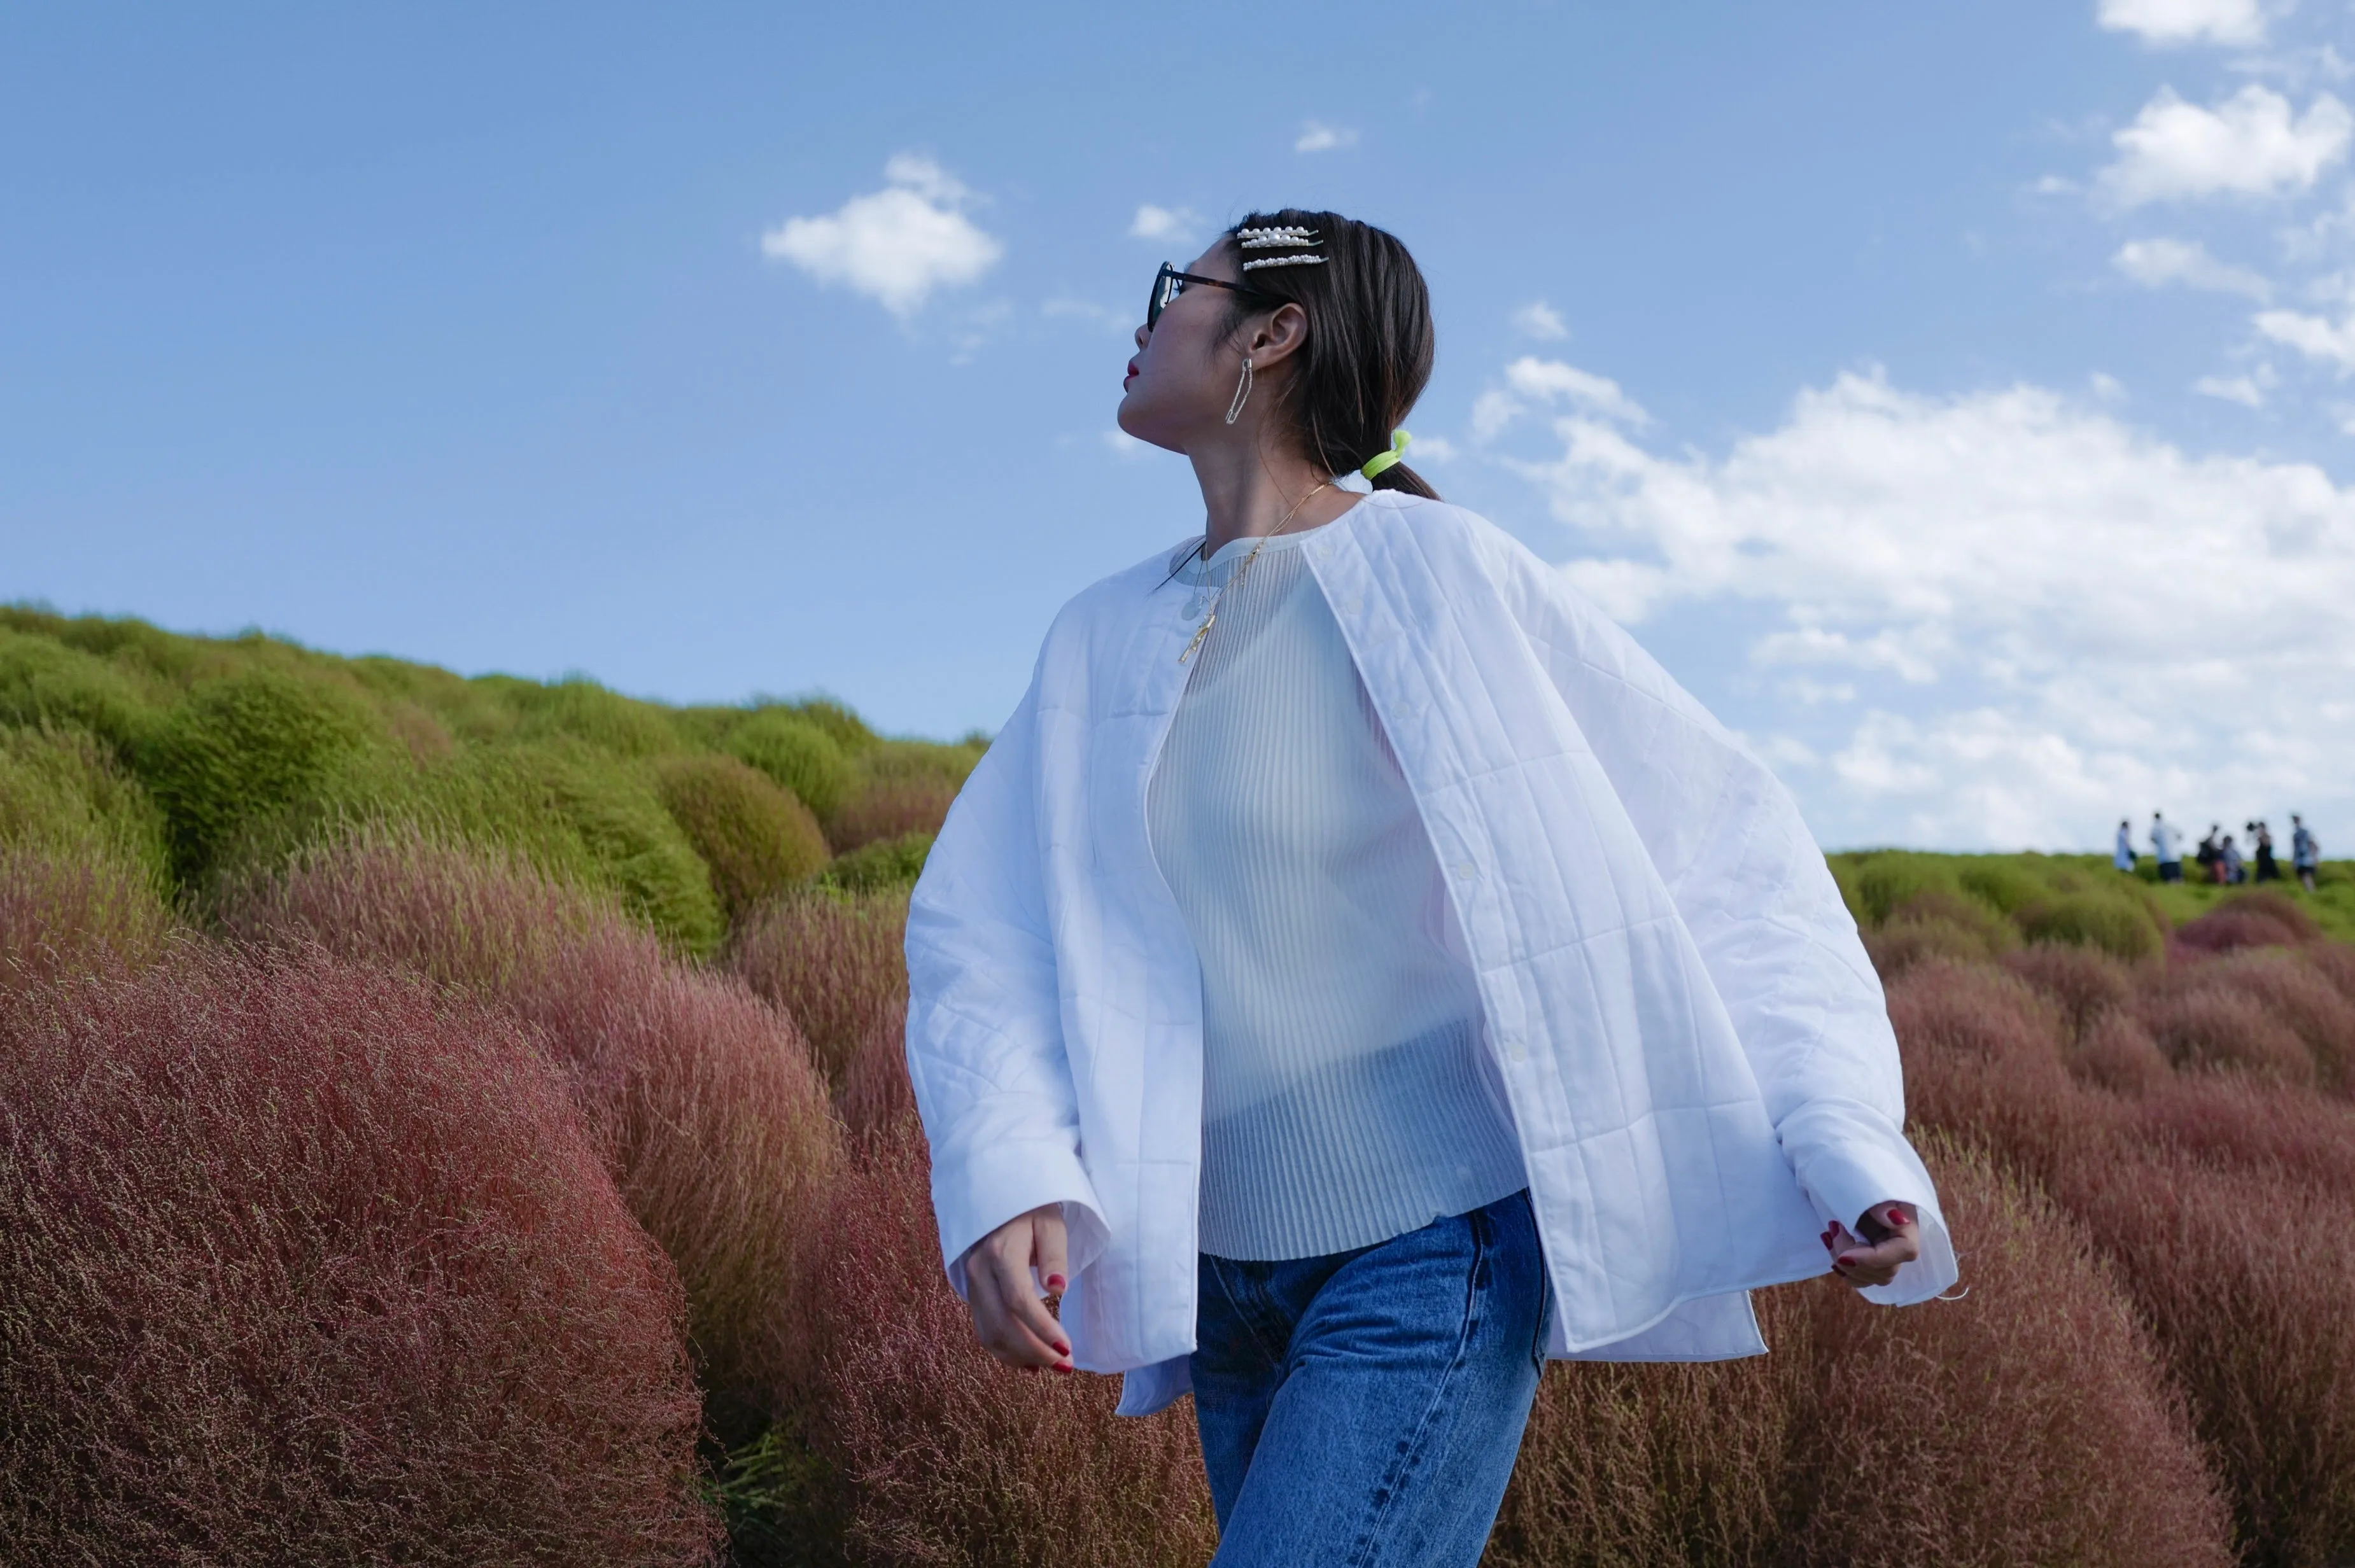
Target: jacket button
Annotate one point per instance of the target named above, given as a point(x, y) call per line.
point(1463, 870)
point(1515, 1051)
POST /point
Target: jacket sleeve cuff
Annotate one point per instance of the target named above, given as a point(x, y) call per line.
point(1009, 1179)
point(1847, 1174)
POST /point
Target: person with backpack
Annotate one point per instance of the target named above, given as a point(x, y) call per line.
point(2123, 855)
point(2305, 854)
point(2210, 855)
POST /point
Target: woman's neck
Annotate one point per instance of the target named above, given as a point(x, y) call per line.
point(1248, 492)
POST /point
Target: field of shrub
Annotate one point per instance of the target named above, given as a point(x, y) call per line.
point(462, 1121)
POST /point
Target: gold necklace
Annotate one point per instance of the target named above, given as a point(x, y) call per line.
point(1234, 579)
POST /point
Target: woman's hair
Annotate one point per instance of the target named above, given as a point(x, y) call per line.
point(1369, 344)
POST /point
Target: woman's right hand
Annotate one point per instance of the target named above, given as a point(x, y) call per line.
point(1008, 1315)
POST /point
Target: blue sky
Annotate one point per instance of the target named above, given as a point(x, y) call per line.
point(1955, 398)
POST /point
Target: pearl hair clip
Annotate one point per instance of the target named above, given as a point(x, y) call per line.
point(1289, 237)
point(1275, 238)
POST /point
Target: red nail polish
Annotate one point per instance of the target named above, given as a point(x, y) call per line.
point(1900, 1217)
point(1062, 1349)
point(1054, 1282)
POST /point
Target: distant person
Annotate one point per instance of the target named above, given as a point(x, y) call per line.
point(2268, 869)
point(2166, 848)
point(2229, 866)
point(2305, 854)
point(1237, 1020)
point(2210, 855)
point(2123, 857)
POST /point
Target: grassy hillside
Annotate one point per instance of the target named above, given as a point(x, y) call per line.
point(450, 1121)
point(188, 759)
point(1983, 905)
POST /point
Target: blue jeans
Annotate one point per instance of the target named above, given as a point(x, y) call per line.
point(1366, 1407)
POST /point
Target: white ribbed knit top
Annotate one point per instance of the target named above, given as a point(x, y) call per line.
point(1343, 1100)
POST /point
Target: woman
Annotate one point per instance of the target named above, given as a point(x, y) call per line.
point(1356, 972)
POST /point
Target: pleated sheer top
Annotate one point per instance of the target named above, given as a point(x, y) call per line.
point(1343, 1098)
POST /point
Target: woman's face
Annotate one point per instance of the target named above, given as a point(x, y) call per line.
point(1183, 376)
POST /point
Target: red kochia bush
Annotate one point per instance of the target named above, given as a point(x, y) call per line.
point(2260, 1011)
point(2117, 1053)
point(62, 917)
point(2259, 919)
point(835, 962)
point(2027, 1421)
point(890, 808)
point(2081, 982)
point(299, 1265)
point(703, 1097)
point(2291, 994)
point(876, 1093)
point(2245, 1278)
point(1984, 1057)
point(2335, 962)
point(2305, 1139)
point(947, 1456)
point(2215, 1029)
point(1666, 1463)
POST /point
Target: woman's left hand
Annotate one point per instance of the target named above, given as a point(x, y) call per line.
point(1890, 1237)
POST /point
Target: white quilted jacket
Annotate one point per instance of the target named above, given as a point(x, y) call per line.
point(1677, 1007)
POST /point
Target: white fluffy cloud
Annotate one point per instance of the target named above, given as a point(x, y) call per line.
point(2238, 22)
point(2316, 337)
point(896, 245)
point(1529, 380)
point(1540, 320)
point(2248, 145)
point(2157, 263)
point(1316, 136)
point(1164, 222)
point(2249, 391)
point(2071, 620)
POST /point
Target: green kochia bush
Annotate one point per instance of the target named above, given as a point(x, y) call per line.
point(1909, 903)
point(1884, 881)
point(574, 813)
point(146, 654)
point(800, 756)
point(757, 839)
point(2000, 884)
point(242, 749)
point(847, 729)
point(886, 865)
point(582, 710)
point(42, 682)
point(60, 790)
point(2116, 925)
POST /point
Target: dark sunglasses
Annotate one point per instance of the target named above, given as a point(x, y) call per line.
point(1169, 283)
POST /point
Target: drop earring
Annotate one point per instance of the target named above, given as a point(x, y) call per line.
point(1242, 392)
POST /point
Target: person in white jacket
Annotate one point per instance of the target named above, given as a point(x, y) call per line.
point(1356, 972)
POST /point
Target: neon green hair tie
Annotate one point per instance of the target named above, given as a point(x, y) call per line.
point(1381, 460)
